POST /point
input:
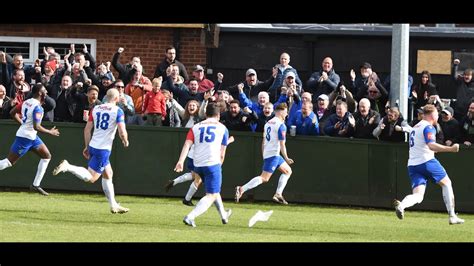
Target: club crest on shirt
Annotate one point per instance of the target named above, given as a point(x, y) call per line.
point(431, 136)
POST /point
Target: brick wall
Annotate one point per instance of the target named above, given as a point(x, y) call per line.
point(149, 43)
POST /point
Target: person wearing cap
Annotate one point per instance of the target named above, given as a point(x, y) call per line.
point(104, 81)
point(170, 59)
point(204, 83)
point(449, 126)
point(324, 81)
point(423, 89)
point(418, 118)
point(359, 85)
point(467, 126)
point(321, 109)
point(84, 102)
point(252, 86)
point(282, 69)
point(464, 90)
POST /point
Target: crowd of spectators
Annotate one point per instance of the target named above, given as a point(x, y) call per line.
point(323, 105)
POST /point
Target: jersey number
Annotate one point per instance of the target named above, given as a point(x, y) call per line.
point(412, 138)
point(267, 135)
point(208, 135)
point(24, 116)
point(102, 121)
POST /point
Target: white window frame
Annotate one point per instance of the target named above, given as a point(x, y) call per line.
point(34, 42)
point(21, 39)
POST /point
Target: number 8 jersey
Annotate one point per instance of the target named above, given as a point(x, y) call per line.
point(208, 136)
point(422, 134)
point(273, 131)
point(105, 118)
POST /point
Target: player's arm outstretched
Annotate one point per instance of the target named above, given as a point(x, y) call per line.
point(38, 127)
point(184, 153)
point(283, 152)
point(123, 134)
point(443, 148)
point(87, 138)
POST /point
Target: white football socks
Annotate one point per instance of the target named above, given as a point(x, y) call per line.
point(201, 207)
point(411, 200)
point(254, 182)
point(81, 172)
point(220, 206)
point(109, 192)
point(183, 178)
point(282, 183)
point(448, 197)
point(42, 165)
point(191, 191)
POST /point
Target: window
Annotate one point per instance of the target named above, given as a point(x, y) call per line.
point(32, 48)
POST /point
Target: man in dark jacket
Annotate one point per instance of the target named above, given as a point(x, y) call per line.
point(252, 86)
point(235, 118)
point(170, 58)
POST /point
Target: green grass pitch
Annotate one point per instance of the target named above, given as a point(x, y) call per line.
point(29, 217)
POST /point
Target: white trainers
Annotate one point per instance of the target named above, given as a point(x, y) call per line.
point(119, 209)
point(226, 220)
point(455, 220)
point(399, 211)
point(189, 222)
point(62, 167)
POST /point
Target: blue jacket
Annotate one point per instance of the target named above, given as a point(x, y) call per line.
point(305, 126)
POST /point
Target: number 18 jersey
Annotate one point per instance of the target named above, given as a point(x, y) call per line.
point(105, 118)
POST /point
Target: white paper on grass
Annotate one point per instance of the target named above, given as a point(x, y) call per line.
point(260, 216)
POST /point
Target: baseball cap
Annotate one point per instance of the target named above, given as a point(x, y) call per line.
point(448, 110)
point(198, 68)
point(250, 71)
point(290, 74)
point(93, 88)
point(324, 97)
point(365, 65)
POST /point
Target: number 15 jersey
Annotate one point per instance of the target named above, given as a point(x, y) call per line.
point(105, 118)
point(208, 136)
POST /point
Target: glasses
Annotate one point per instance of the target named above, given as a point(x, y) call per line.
point(117, 86)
